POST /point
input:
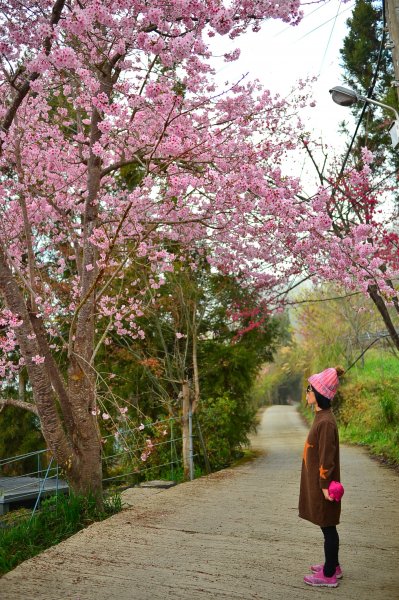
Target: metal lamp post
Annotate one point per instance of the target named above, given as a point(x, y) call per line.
point(346, 97)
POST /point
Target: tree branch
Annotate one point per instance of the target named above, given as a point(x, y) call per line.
point(122, 163)
point(24, 89)
point(323, 299)
point(18, 404)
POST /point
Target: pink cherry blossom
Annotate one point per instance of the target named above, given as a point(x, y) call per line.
point(38, 360)
point(93, 90)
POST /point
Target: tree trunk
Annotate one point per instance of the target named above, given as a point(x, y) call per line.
point(86, 471)
point(382, 309)
point(75, 445)
point(65, 411)
point(186, 430)
point(43, 393)
point(22, 385)
point(195, 362)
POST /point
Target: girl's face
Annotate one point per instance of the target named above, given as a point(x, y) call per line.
point(310, 397)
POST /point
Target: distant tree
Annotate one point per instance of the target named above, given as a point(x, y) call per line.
point(361, 58)
point(206, 336)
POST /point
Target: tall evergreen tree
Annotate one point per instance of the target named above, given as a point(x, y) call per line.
point(361, 59)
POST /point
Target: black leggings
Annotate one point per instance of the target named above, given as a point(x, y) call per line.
point(331, 548)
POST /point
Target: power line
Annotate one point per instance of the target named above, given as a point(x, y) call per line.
point(305, 17)
point(330, 36)
point(325, 22)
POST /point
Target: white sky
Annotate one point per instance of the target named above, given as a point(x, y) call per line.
point(280, 54)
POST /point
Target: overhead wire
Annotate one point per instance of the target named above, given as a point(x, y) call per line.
point(330, 36)
point(325, 22)
point(305, 17)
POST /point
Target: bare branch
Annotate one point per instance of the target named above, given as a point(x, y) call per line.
point(18, 404)
point(122, 163)
point(323, 299)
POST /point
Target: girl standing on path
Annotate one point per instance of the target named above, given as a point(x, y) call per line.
point(320, 466)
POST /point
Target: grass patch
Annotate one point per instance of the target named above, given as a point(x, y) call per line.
point(379, 365)
point(248, 455)
point(178, 474)
point(381, 443)
point(368, 412)
point(58, 519)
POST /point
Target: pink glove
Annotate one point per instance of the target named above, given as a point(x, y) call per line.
point(336, 490)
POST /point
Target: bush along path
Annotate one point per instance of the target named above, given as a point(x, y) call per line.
point(233, 534)
point(59, 518)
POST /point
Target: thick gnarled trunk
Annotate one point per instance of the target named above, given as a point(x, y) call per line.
point(65, 409)
point(70, 430)
point(85, 472)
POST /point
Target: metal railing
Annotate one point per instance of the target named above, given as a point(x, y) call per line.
point(130, 450)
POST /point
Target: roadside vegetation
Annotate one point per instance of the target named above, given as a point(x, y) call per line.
point(58, 519)
point(336, 332)
point(368, 410)
point(227, 364)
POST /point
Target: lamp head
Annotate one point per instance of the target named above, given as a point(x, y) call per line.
point(344, 96)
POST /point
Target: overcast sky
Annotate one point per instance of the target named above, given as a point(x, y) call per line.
point(280, 54)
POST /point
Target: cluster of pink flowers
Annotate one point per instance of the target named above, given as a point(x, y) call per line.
point(148, 450)
point(158, 155)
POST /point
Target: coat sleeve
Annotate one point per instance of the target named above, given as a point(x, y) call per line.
point(327, 453)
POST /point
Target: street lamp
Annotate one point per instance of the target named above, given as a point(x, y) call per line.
point(346, 97)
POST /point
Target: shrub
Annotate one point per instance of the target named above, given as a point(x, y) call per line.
point(225, 423)
point(389, 406)
point(59, 518)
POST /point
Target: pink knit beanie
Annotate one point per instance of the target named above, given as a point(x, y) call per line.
point(326, 382)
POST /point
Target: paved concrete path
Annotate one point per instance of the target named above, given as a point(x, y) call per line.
point(233, 535)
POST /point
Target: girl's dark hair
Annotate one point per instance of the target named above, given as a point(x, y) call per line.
point(321, 400)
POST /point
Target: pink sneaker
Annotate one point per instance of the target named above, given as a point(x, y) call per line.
point(320, 580)
point(317, 568)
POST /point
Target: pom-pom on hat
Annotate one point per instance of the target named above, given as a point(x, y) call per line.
point(326, 382)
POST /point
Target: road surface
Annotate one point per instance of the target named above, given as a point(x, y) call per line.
point(233, 535)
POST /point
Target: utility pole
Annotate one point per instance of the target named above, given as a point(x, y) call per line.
point(392, 20)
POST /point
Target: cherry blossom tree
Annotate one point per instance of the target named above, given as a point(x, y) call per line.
point(350, 239)
point(93, 88)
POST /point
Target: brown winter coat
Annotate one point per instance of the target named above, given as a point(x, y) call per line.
point(320, 466)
